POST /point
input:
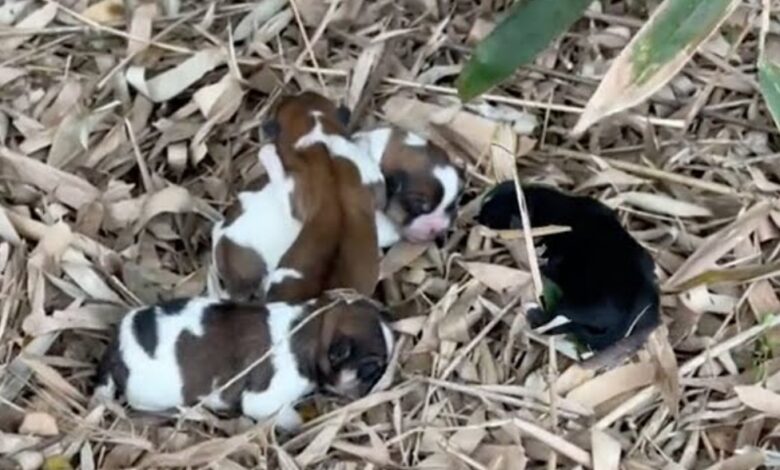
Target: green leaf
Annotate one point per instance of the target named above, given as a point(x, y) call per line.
point(769, 81)
point(551, 294)
point(527, 29)
point(655, 55)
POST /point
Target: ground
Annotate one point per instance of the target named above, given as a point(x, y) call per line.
point(126, 130)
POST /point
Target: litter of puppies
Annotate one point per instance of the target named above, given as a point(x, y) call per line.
point(123, 207)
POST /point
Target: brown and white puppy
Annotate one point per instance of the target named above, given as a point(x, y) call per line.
point(422, 185)
point(259, 228)
point(314, 128)
point(181, 352)
point(311, 227)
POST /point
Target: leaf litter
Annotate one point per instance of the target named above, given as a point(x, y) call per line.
point(127, 131)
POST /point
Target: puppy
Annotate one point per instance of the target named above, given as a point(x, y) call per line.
point(421, 183)
point(606, 278)
point(310, 127)
point(184, 351)
point(257, 231)
point(311, 226)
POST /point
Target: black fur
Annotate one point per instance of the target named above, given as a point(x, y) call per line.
point(343, 114)
point(145, 329)
point(173, 306)
point(111, 366)
point(606, 278)
point(271, 129)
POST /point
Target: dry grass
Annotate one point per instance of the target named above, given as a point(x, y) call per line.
point(107, 198)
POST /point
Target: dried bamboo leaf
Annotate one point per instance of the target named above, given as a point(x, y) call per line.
point(174, 81)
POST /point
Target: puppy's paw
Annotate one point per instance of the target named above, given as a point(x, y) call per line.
point(536, 315)
point(288, 420)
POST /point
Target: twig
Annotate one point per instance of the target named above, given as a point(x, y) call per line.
point(647, 172)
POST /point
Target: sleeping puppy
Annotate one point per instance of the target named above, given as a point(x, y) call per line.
point(422, 185)
point(312, 225)
point(340, 249)
point(185, 351)
point(242, 258)
point(607, 281)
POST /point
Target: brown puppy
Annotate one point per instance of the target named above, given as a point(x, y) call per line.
point(181, 352)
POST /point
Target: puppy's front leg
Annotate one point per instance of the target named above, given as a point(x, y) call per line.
point(288, 420)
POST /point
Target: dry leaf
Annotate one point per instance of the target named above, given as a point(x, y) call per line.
point(473, 132)
point(666, 373)
point(141, 27)
point(38, 19)
point(502, 153)
point(65, 187)
point(105, 11)
point(615, 382)
point(262, 12)
point(759, 398)
point(400, 255)
point(320, 445)
point(360, 73)
point(174, 81)
point(606, 451)
point(39, 424)
point(207, 452)
point(496, 277)
point(719, 244)
point(663, 204)
point(9, 74)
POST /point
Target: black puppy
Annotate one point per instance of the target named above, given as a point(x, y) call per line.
point(606, 278)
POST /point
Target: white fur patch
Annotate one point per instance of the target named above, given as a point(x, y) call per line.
point(214, 400)
point(342, 147)
point(556, 321)
point(106, 391)
point(280, 274)
point(287, 384)
point(387, 334)
point(448, 178)
point(415, 140)
point(426, 227)
point(347, 383)
point(374, 142)
point(154, 383)
point(267, 225)
point(387, 233)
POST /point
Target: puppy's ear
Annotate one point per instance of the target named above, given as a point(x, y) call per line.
point(339, 351)
point(343, 114)
point(271, 129)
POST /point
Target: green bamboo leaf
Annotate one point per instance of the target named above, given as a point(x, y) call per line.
point(655, 55)
point(529, 26)
point(551, 294)
point(769, 81)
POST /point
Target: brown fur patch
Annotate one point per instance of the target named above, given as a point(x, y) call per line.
point(411, 169)
point(357, 324)
point(357, 260)
point(241, 269)
point(234, 336)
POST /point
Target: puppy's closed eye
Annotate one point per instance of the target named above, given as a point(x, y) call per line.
point(417, 205)
point(369, 370)
point(339, 352)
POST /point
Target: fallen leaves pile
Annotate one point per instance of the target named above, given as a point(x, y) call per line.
point(127, 127)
